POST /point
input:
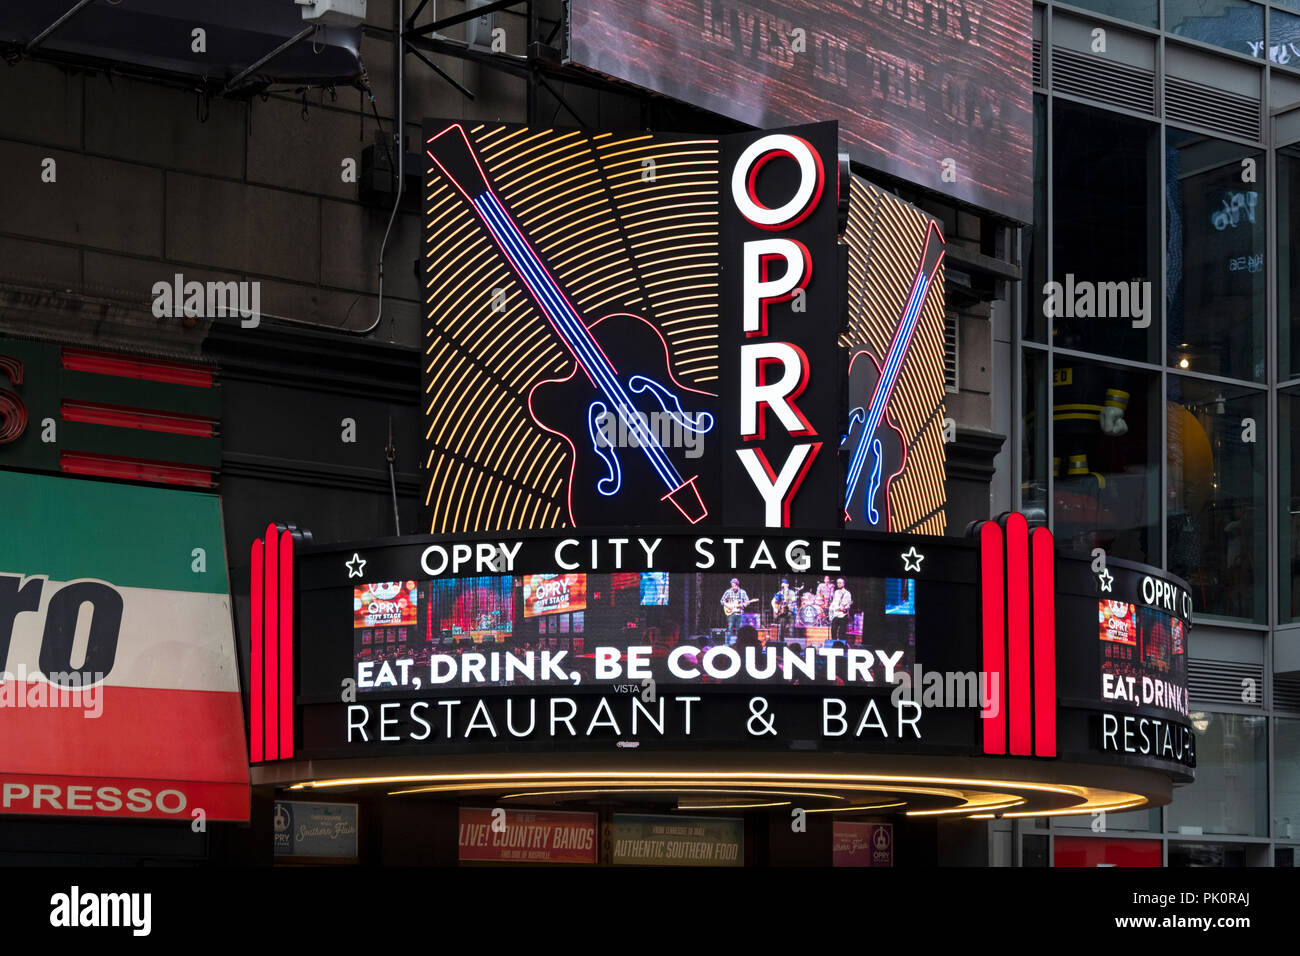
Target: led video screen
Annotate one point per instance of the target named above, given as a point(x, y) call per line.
point(1143, 656)
point(568, 629)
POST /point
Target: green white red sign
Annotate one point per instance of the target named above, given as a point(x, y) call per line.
point(119, 684)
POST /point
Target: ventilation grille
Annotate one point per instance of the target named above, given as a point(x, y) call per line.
point(1106, 81)
point(1209, 108)
point(951, 351)
point(1286, 692)
point(1222, 682)
point(1038, 63)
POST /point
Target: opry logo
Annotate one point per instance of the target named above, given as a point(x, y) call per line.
point(773, 373)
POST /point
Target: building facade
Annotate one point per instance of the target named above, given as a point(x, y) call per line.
point(1144, 312)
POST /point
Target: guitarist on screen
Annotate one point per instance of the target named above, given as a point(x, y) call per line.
point(783, 607)
point(734, 601)
point(841, 608)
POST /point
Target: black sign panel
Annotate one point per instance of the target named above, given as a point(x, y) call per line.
point(665, 641)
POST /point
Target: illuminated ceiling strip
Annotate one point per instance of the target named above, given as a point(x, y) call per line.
point(838, 780)
point(858, 808)
point(1003, 803)
point(729, 806)
point(1129, 803)
point(631, 789)
point(696, 348)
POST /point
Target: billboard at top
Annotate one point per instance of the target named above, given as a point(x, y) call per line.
point(937, 92)
point(647, 329)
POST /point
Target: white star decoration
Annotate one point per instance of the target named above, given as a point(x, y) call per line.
point(1104, 579)
point(912, 555)
point(355, 566)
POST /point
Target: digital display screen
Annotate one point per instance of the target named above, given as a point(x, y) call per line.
point(390, 603)
point(560, 629)
point(1143, 656)
point(554, 593)
point(654, 588)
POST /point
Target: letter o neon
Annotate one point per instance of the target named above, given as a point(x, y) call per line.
point(812, 178)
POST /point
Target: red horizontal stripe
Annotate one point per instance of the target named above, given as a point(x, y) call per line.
point(146, 732)
point(152, 370)
point(97, 796)
point(135, 469)
point(120, 416)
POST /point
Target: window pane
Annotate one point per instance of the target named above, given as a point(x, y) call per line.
point(1286, 780)
point(1207, 854)
point(1232, 24)
point(1135, 11)
point(1230, 792)
point(1284, 39)
point(1106, 233)
point(1215, 257)
point(1034, 250)
point(1288, 480)
point(1106, 458)
point(1218, 506)
point(1033, 451)
point(1288, 262)
point(1142, 821)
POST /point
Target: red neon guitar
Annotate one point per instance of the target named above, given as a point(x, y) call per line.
point(621, 392)
point(877, 446)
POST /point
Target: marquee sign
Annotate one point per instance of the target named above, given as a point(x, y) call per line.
point(651, 330)
point(845, 642)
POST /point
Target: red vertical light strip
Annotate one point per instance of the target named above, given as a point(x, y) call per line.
point(994, 662)
point(1044, 644)
point(270, 644)
point(1018, 673)
point(286, 646)
point(256, 594)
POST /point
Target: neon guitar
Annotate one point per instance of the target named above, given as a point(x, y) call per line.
point(621, 383)
point(877, 447)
